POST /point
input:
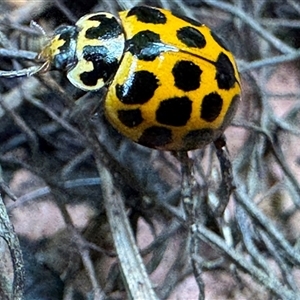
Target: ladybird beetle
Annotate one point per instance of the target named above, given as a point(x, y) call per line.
point(171, 82)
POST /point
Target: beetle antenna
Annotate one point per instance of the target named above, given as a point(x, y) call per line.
point(26, 72)
point(37, 27)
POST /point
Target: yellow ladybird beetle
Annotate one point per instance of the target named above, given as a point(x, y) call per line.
point(171, 82)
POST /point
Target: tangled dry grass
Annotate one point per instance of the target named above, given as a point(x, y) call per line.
point(82, 190)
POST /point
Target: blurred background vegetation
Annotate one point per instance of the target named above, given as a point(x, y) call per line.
point(47, 159)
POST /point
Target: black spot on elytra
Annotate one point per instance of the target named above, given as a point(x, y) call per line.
point(186, 19)
point(191, 37)
point(174, 111)
point(155, 137)
point(108, 28)
point(146, 45)
point(104, 65)
point(66, 57)
point(131, 117)
point(138, 88)
point(198, 138)
point(211, 107)
point(219, 40)
point(148, 15)
point(224, 72)
point(186, 75)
